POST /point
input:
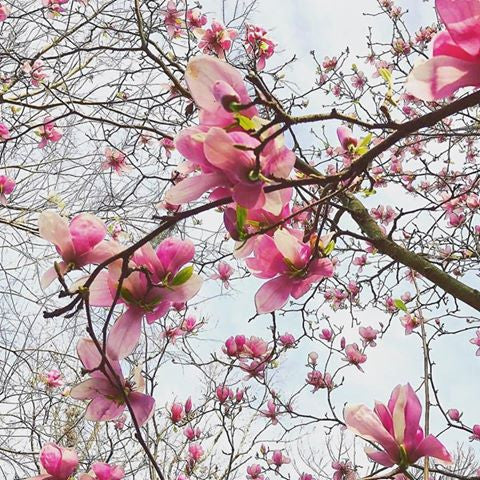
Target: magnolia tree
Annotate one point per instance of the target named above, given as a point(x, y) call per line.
point(200, 260)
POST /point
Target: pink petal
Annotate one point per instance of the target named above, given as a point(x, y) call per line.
point(174, 253)
point(288, 246)
point(430, 446)
point(462, 18)
point(413, 412)
point(441, 76)
point(189, 143)
point(91, 357)
point(54, 228)
point(184, 292)
point(143, 406)
point(91, 388)
point(249, 195)
point(273, 295)
point(101, 409)
point(379, 457)
point(443, 44)
point(100, 291)
point(194, 187)
point(100, 253)
point(51, 274)
point(86, 231)
point(125, 334)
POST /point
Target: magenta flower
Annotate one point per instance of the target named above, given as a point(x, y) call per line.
point(217, 39)
point(319, 381)
point(104, 471)
point(58, 463)
point(4, 132)
point(4, 12)
point(195, 18)
point(396, 427)
point(223, 393)
point(343, 471)
point(7, 185)
point(48, 132)
point(79, 244)
point(54, 6)
point(454, 414)
point(176, 412)
point(290, 265)
point(254, 472)
point(145, 295)
point(172, 19)
point(195, 452)
point(224, 272)
point(271, 412)
point(369, 335)
point(116, 160)
point(259, 45)
point(476, 341)
point(53, 378)
point(108, 391)
point(455, 61)
point(476, 433)
point(287, 340)
point(346, 138)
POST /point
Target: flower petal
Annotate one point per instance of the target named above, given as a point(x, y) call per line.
point(125, 334)
point(273, 294)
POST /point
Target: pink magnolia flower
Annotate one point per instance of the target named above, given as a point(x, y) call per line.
point(271, 412)
point(108, 391)
point(278, 459)
point(476, 341)
point(254, 472)
point(53, 378)
point(54, 6)
point(35, 71)
point(195, 18)
point(7, 185)
point(223, 393)
point(343, 471)
point(396, 427)
point(172, 19)
point(326, 334)
point(192, 433)
point(455, 61)
point(119, 423)
point(354, 356)
point(188, 405)
point(104, 471)
point(145, 295)
point(290, 264)
point(195, 452)
point(116, 160)
point(48, 132)
point(176, 412)
point(224, 272)
point(189, 324)
point(409, 322)
point(79, 244)
point(254, 369)
point(58, 463)
point(4, 12)
point(4, 132)
point(306, 476)
point(318, 381)
point(454, 414)
point(476, 433)
point(217, 39)
point(369, 335)
point(168, 145)
point(346, 138)
point(259, 45)
point(287, 340)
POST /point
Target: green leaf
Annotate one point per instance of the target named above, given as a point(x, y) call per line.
point(126, 295)
point(400, 305)
point(367, 192)
point(246, 123)
point(241, 218)
point(182, 276)
point(329, 248)
point(386, 74)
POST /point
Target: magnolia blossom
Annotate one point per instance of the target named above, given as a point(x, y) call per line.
point(476, 341)
point(116, 160)
point(346, 138)
point(35, 70)
point(254, 472)
point(224, 272)
point(271, 412)
point(145, 295)
point(53, 378)
point(454, 414)
point(396, 427)
point(7, 185)
point(54, 6)
point(343, 471)
point(57, 463)
point(290, 265)
point(476, 433)
point(4, 12)
point(278, 459)
point(79, 243)
point(176, 412)
point(195, 452)
point(455, 61)
point(287, 340)
point(48, 133)
point(258, 44)
point(172, 19)
point(369, 335)
point(217, 39)
point(4, 132)
point(242, 347)
point(108, 390)
point(195, 18)
point(104, 471)
point(354, 356)
point(319, 381)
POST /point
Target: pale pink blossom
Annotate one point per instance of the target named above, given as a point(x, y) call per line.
point(195, 18)
point(409, 322)
point(116, 160)
point(319, 381)
point(172, 18)
point(396, 427)
point(291, 266)
point(108, 390)
point(476, 433)
point(344, 471)
point(224, 272)
point(369, 335)
point(7, 185)
point(195, 452)
point(4, 12)
point(57, 463)
point(455, 61)
point(259, 45)
point(54, 6)
point(354, 356)
point(346, 138)
point(48, 132)
point(454, 414)
point(326, 334)
point(476, 341)
point(104, 471)
point(254, 472)
point(271, 412)
point(217, 39)
point(79, 243)
point(287, 340)
point(278, 459)
point(192, 433)
point(53, 378)
point(4, 132)
point(35, 70)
